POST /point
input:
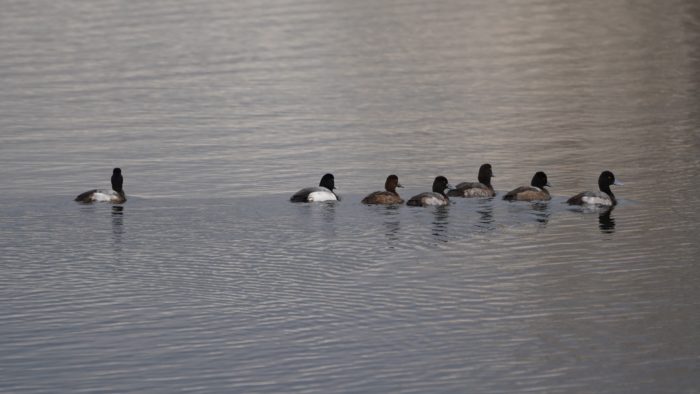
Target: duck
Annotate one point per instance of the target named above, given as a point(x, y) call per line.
point(534, 192)
point(482, 188)
point(387, 197)
point(324, 191)
point(114, 196)
point(604, 197)
point(436, 197)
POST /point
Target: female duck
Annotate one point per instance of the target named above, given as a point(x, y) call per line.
point(482, 188)
point(436, 197)
point(114, 196)
point(534, 192)
point(324, 191)
point(604, 197)
point(390, 196)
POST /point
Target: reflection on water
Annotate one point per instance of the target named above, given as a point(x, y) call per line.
point(323, 214)
point(391, 222)
point(485, 211)
point(541, 211)
point(606, 222)
point(440, 222)
point(538, 211)
point(117, 223)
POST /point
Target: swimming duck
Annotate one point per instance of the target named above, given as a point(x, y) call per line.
point(324, 191)
point(604, 197)
point(482, 188)
point(436, 197)
point(534, 192)
point(389, 196)
point(114, 196)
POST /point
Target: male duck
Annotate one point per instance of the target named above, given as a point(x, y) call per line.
point(114, 196)
point(482, 188)
point(324, 191)
point(604, 197)
point(436, 197)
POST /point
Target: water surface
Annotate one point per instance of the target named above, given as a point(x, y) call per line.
point(209, 280)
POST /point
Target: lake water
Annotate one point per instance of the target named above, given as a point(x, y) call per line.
point(209, 280)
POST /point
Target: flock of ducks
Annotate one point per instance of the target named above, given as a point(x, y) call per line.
point(442, 191)
point(440, 195)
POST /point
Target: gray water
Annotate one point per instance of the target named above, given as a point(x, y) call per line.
point(209, 280)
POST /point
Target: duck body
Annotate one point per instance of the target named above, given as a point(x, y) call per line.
point(314, 194)
point(535, 192)
point(472, 189)
point(388, 196)
point(591, 198)
point(435, 198)
point(114, 196)
point(323, 192)
point(482, 188)
point(428, 199)
point(97, 195)
point(604, 197)
point(383, 197)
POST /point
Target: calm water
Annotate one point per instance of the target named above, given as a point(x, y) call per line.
point(209, 280)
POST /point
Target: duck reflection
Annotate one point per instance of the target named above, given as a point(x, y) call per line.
point(328, 212)
point(440, 223)
point(606, 223)
point(485, 211)
point(328, 217)
point(392, 224)
point(321, 214)
point(117, 224)
point(541, 212)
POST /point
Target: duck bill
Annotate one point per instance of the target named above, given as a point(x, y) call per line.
point(618, 183)
point(399, 185)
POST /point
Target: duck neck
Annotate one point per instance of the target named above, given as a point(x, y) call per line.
point(606, 189)
point(117, 183)
point(439, 190)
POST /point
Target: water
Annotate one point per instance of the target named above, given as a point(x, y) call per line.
point(209, 280)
